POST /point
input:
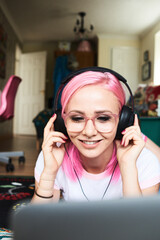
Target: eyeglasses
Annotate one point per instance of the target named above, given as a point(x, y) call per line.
point(103, 122)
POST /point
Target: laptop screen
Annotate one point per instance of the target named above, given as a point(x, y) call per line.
point(123, 219)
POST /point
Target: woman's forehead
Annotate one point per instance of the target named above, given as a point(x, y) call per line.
point(95, 98)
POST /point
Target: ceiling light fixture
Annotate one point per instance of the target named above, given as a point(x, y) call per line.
point(79, 28)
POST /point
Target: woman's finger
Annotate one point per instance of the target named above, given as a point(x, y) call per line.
point(51, 141)
point(132, 128)
point(132, 135)
point(132, 131)
point(135, 127)
point(136, 122)
point(55, 134)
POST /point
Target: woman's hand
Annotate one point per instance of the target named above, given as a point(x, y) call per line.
point(128, 151)
point(53, 154)
point(131, 145)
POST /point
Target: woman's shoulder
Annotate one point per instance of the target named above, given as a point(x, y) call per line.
point(147, 157)
point(147, 153)
point(148, 167)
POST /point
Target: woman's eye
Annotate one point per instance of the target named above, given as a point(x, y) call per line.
point(104, 118)
point(77, 118)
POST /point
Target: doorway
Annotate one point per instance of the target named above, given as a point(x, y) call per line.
point(30, 99)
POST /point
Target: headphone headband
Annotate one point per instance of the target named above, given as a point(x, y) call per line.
point(94, 69)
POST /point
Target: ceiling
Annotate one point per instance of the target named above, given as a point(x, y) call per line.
point(49, 20)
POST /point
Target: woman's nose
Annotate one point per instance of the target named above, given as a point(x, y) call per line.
point(89, 128)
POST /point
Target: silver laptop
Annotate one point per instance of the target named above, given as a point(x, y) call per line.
point(123, 219)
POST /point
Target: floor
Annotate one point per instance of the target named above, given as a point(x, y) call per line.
point(27, 144)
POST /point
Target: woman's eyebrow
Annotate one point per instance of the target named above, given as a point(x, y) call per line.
point(76, 111)
point(103, 111)
point(96, 112)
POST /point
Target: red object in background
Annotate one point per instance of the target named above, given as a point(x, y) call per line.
point(84, 46)
point(152, 106)
point(152, 93)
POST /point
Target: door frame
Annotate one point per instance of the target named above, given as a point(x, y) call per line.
point(18, 53)
point(18, 63)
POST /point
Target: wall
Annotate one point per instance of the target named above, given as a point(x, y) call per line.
point(107, 42)
point(12, 40)
point(147, 43)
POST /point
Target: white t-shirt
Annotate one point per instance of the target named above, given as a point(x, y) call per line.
point(95, 185)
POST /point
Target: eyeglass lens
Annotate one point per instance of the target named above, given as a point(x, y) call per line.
point(102, 122)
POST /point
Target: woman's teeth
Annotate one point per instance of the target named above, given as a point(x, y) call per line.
point(90, 143)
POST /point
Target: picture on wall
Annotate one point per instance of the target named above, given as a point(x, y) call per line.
point(146, 71)
point(2, 64)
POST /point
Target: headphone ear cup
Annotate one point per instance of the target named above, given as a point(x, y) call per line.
point(126, 119)
point(59, 125)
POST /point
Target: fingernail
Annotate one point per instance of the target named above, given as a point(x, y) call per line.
point(123, 131)
point(58, 144)
point(53, 115)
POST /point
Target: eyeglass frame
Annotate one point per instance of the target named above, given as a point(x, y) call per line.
point(87, 118)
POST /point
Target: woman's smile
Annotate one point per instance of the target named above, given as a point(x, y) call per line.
point(90, 144)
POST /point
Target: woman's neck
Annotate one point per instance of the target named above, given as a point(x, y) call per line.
point(98, 164)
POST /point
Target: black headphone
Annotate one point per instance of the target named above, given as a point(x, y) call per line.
point(126, 117)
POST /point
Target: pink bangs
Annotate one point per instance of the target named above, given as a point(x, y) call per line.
point(106, 80)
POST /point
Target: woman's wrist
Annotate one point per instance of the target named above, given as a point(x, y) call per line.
point(127, 168)
point(46, 184)
point(144, 137)
point(48, 176)
point(49, 173)
point(45, 196)
point(129, 176)
point(130, 182)
point(45, 191)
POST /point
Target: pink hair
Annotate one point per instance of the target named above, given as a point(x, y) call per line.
point(107, 81)
point(72, 163)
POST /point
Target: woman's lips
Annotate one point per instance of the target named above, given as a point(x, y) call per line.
point(90, 144)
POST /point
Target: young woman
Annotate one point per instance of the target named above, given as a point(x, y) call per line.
point(90, 164)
